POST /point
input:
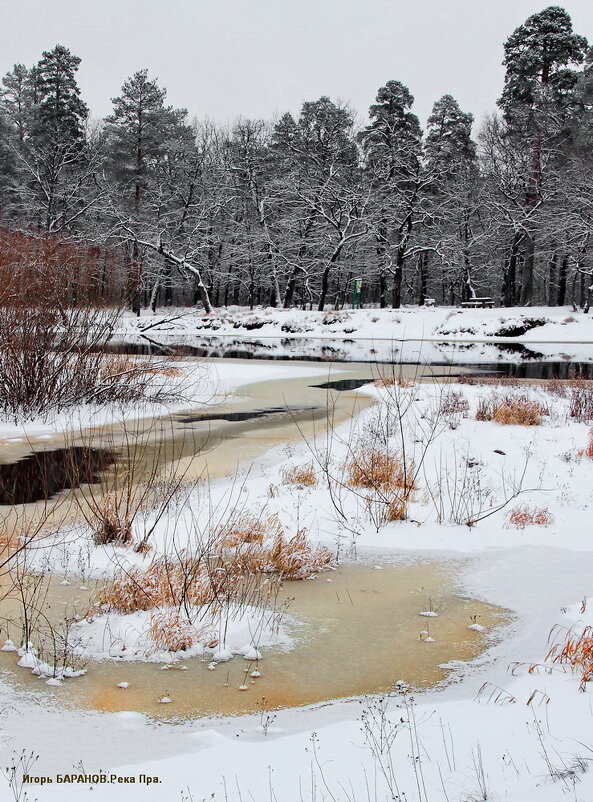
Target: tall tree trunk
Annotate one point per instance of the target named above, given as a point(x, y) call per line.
point(382, 245)
point(561, 300)
point(325, 276)
point(509, 279)
point(403, 236)
point(423, 276)
point(527, 272)
point(552, 268)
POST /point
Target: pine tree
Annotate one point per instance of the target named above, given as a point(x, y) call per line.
point(16, 99)
point(537, 97)
point(138, 136)
point(138, 131)
point(448, 142)
point(60, 114)
point(450, 155)
point(392, 143)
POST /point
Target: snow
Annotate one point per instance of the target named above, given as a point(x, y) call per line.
point(115, 636)
point(410, 334)
point(498, 728)
point(205, 385)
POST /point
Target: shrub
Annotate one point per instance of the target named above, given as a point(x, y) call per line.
point(454, 406)
point(589, 449)
point(581, 401)
point(55, 323)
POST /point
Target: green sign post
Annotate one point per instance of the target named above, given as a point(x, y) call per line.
point(356, 293)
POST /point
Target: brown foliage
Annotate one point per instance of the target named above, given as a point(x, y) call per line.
point(112, 523)
point(397, 510)
point(379, 471)
point(171, 632)
point(300, 476)
point(293, 558)
point(576, 651)
point(510, 410)
point(223, 574)
point(523, 516)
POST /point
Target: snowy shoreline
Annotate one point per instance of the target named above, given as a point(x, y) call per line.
point(541, 573)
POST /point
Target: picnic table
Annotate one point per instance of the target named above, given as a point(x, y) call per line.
point(478, 303)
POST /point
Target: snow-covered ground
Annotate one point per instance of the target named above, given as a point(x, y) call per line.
point(431, 334)
point(490, 734)
point(201, 384)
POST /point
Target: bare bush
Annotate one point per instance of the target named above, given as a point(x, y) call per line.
point(54, 329)
point(454, 406)
point(581, 401)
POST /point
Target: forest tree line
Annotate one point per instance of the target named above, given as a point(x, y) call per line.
point(289, 212)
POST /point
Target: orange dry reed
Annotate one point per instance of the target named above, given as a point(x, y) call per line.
point(379, 471)
point(219, 576)
point(397, 510)
point(293, 558)
point(523, 516)
point(576, 651)
point(390, 381)
point(171, 632)
point(300, 476)
point(246, 529)
point(510, 411)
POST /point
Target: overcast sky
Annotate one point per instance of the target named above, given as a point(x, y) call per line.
point(257, 58)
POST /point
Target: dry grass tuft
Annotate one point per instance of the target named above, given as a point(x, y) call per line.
point(391, 381)
point(294, 558)
point(510, 410)
point(397, 510)
point(121, 368)
point(524, 516)
point(478, 379)
point(230, 571)
point(171, 632)
point(164, 583)
point(379, 471)
point(112, 525)
point(299, 476)
point(247, 529)
point(576, 651)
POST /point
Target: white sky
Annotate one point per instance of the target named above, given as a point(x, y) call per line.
point(257, 58)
